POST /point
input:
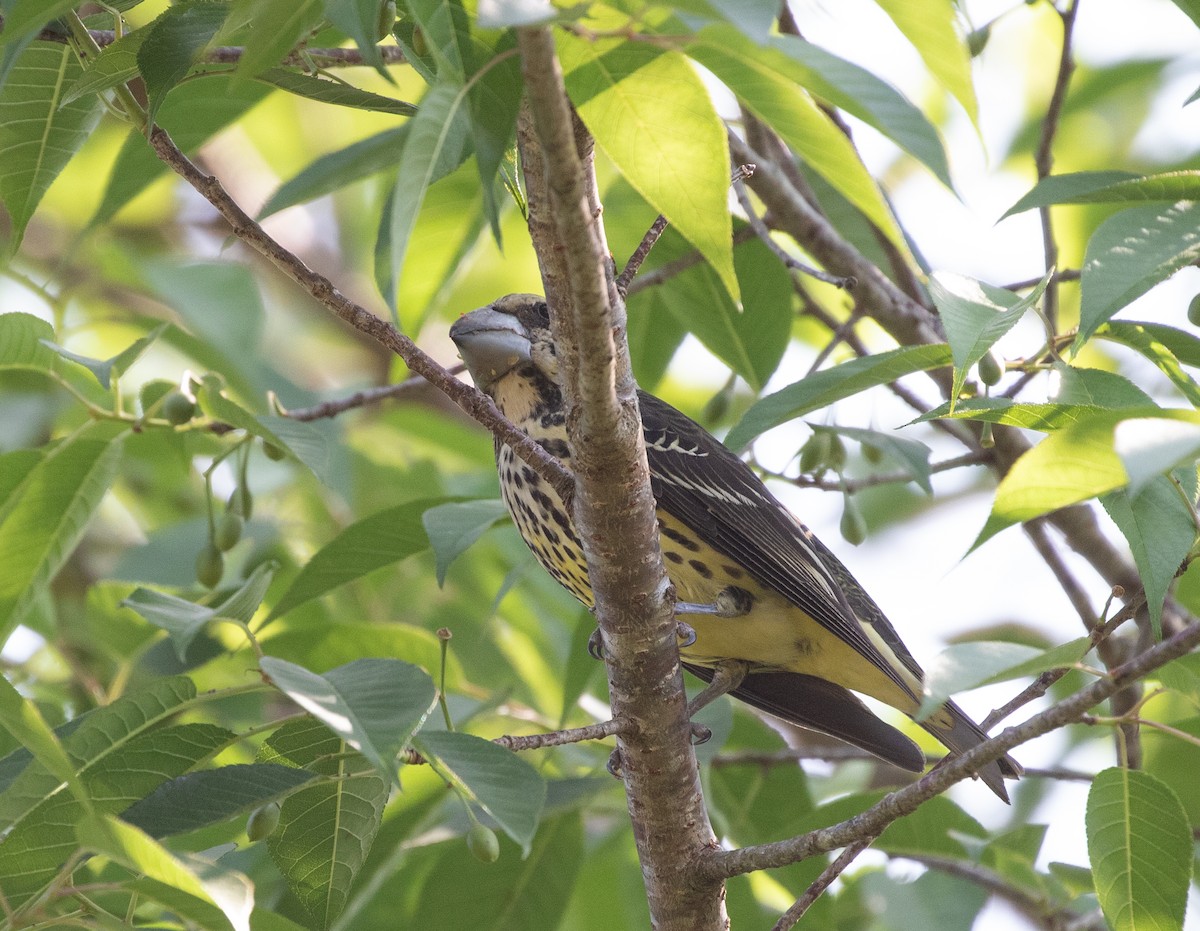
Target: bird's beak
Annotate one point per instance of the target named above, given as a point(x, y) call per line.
point(491, 344)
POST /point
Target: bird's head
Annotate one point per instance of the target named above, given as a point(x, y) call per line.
point(511, 333)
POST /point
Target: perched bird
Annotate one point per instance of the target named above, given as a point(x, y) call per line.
point(777, 598)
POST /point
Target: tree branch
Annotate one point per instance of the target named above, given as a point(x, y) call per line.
point(613, 505)
point(871, 823)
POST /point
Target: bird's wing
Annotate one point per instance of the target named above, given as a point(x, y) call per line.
point(708, 488)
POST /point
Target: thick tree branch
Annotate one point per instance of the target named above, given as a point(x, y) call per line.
point(613, 505)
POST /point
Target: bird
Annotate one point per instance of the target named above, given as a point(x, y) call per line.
point(763, 594)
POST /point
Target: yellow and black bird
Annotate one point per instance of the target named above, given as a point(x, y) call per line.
point(782, 603)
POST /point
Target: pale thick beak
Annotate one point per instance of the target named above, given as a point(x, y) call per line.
point(491, 344)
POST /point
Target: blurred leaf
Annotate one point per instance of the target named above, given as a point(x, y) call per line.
point(231, 892)
point(21, 718)
point(173, 44)
point(1044, 417)
point(334, 171)
point(39, 134)
point(500, 899)
point(373, 542)
point(1151, 446)
point(375, 705)
point(192, 113)
point(670, 147)
point(1067, 189)
point(23, 339)
point(497, 780)
point(966, 666)
point(1129, 254)
point(976, 315)
point(40, 527)
point(911, 454)
point(360, 20)
point(1160, 528)
point(454, 526)
point(210, 796)
point(302, 440)
point(821, 389)
point(325, 830)
point(104, 369)
point(932, 27)
point(27, 17)
point(766, 80)
point(1140, 850)
point(334, 92)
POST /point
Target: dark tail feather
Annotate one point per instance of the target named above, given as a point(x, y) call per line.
point(963, 734)
point(822, 706)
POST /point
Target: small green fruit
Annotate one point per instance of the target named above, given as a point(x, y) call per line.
point(837, 453)
point(387, 19)
point(262, 822)
point(210, 566)
point(178, 408)
point(853, 525)
point(482, 842)
point(240, 502)
point(1194, 311)
point(814, 454)
point(977, 40)
point(273, 452)
point(229, 531)
point(991, 368)
point(986, 439)
point(872, 453)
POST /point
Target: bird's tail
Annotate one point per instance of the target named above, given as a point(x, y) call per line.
point(952, 727)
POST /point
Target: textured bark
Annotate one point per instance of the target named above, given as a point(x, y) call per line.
point(613, 505)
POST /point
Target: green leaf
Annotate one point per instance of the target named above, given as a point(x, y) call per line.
point(210, 796)
point(375, 705)
point(821, 389)
point(1044, 417)
point(173, 44)
point(104, 369)
point(1129, 254)
point(302, 440)
point(26, 17)
point(1098, 388)
point(975, 316)
point(325, 830)
point(932, 27)
point(39, 133)
point(21, 718)
point(338, 169)
point(875, 102)
point(1142, 339)
point(359, 19)
point(334, 92)
point(966, 666)
point(23, 339)
point(497, 780)
point(334, 644)
point(454, 526)
point(1160, 528)
point(1168, 187)
point(115, 64)
point(1140, 848)
point(1072, 465)
point(379, 540)
point(278, 27)
point(436, 144)
point(651, 114)
point(766, 80)
point(42, 527)
point(230, 891)
point(184, 620)
point(1067, 189)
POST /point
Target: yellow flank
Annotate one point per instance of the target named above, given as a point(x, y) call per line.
point(775, 634)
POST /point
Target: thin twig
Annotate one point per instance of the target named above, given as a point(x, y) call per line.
point(764, 234)
point(835, 869)
point(983, 457)
point(1044, 159)
point(1067, 274)
point(678, 266)
point(519, 742)
point(476, 404)
point(362, 398)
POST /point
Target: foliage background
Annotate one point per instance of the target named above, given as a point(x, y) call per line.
point(118, 246)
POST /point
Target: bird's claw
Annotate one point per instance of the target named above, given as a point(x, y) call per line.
point(614, 764)
point(595, 645)
point(686, 634)
point(700, 734)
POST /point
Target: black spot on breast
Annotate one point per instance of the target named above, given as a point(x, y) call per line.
point(806, 647)
point(702, 570)
point(732, 571)
point(672, 557)
point(682, 539)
